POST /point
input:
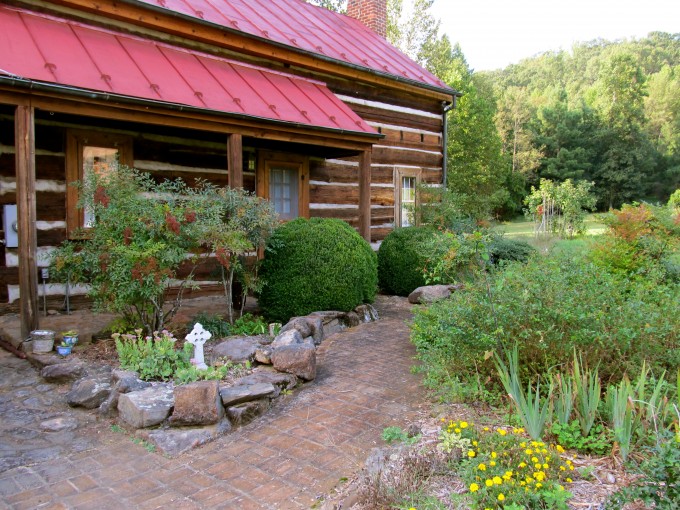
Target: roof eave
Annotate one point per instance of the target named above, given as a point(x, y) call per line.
point(25, 83)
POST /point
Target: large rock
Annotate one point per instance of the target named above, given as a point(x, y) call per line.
point(366, 313)
point(146, 408)
point(89, 392)
point(125, 381)
point(244, 413)
point(289, 337)
point(308, 326)
point(233, 395)
point(63, 372)
point(197, 403)
point(430, 293)
point(297, 359)
point(236, 349)
point(280, 380)
point(172, 442)
point(263, 355)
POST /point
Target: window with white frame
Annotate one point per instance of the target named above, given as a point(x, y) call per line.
point(406, 181)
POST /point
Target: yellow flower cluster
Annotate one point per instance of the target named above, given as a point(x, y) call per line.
point(506, 467)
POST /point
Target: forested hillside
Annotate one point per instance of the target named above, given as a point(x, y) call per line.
point(605, 111)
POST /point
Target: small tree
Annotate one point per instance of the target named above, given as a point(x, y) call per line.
point(232, 224)
point(560, 208)
point(149, 236)
point(142, 233)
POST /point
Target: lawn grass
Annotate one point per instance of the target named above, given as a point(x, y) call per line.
point(521, 227)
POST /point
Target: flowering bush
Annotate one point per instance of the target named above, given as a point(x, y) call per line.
point(502, 467)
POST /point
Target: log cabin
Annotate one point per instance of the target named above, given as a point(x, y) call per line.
point(311, 109)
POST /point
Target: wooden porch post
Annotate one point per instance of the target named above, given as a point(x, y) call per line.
point(365, 195)
point(24, 140)
point(235, 160)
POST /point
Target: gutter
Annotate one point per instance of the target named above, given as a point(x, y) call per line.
point(224, 28)
point(26, 83)
point(447, 107)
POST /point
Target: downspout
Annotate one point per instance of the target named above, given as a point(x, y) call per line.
point(445, 137)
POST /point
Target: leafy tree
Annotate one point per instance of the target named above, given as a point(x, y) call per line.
point(333, 5)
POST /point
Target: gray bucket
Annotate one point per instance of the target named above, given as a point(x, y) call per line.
point(43, 340)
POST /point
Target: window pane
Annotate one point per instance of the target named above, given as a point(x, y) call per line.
point(283, 191)
point(408, 199)
point(102, 161)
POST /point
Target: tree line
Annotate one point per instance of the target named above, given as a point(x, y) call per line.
point(606, 112)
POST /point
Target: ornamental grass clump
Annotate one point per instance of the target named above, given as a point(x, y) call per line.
point(504, 468)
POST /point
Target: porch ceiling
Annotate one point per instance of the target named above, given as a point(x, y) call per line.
point(54, 51)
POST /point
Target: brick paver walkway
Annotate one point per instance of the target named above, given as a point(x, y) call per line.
point(286, 459)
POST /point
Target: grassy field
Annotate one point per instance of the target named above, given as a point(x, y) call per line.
point(522, 227)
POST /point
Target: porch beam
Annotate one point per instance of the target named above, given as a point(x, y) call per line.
point(365, 195)
point(235, 160)
point(24, 140)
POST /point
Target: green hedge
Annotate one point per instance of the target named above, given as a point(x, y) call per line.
point(316, 264)
point(402, 257)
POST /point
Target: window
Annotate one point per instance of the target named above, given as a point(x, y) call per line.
point(90, 151)
point(406, 182)
point(282, 179)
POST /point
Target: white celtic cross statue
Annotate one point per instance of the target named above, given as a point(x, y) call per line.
point(197, 338)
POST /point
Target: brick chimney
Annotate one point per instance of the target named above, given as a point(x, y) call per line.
point(372, 13)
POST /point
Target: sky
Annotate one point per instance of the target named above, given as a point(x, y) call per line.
point(496, 33)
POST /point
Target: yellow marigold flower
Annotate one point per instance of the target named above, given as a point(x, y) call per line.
point(463, 424)
point(501, 497)
point(521, 430)
point(539, 485)
point(497, 480)
point(528, 451)
point(443, 420)
point(502, 432)
point(571, 467)
point(562, 468)
point(507, 475)
point(534, 444)
point(522, 483)
point(492, 463)
point(486, 429)
point(475, 443)
point(561, 487)
point(488, 483)
point(539, 476)
point(523, 444)
point(534, 459)
point(457, 431)
point(482, 467)
point(569, 480)
point(474, 487)
point(471, 453)
point(494, 455)
point(537, 465)
point(522, 464)
point(545, 466)
point(544, 451)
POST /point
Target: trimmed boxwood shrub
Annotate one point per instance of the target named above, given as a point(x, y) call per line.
point(402, 257)
point(502, 248)
point(316, 264)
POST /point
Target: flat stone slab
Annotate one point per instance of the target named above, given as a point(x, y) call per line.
point(245, 393)
point(58, 424)
point(63, 372)
point(236, 349)
point(146, 408)
point(431, 293)
point(269, 375)
point(242, 414)
point(173, 442)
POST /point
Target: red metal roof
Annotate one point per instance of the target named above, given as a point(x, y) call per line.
point(51, 50)
point(303, 26)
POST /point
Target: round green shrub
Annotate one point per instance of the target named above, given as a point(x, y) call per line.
point(502, 248)
point(402, 257)
point(316, 264)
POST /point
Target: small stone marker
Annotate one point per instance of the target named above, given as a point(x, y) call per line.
point(197, 338)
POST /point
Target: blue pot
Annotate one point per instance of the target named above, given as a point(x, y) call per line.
point(64, 350)
point(71, 340)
